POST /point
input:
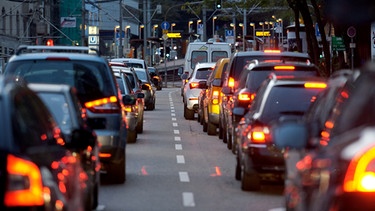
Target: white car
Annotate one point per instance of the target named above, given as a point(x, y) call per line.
point(192, 89)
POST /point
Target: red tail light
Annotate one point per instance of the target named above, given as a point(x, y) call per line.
point(246, 97)
point(104, 105)
point(231, 82)
point(360, 175)
point(257, 135)
point(193, 85)
point(25, 186)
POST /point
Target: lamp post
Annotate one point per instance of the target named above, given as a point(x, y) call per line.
point(213, 26)
point(243, 36)
point(154, 30)
point(189, 26)
point(234, 32)
point(172, 25)
point(254, 42)
point(198, 22)
point(262, 24)
point(116, 39)
point(140, 30)
point(127, 28)
point(280, 21)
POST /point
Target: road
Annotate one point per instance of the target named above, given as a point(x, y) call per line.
point(174, 165)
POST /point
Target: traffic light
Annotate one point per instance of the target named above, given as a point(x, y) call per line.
point(49, 42)
point(218, 5)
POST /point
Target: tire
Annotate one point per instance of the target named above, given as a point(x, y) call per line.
point(132, 136)
point(234, 141)
point(95, 202)
point(117, 171)
point(229, 140)
point(250, 181)
point(188, 114)
point(204, 126)
point(139, 127)
point(199, 117)
point(220, 130)
point(211, 128)
point(238, 168)
point(224, 134)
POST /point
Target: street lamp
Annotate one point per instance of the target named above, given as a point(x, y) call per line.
point(262, 24)
point(213, 26)
point(140, 30)
point(189, 24)
point(243, 36)
point(127, 28)
point(154, 29)
point(198, 22)
point(172, 25)
point(234, 31)
point(117, 32)
point(254, 42)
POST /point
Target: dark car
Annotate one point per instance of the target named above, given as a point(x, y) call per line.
point(96, 91)
point(156, 78)
point(278, 97)
point(136, 85)
point(148, 88)
point(39, 170)
point(248, 83)
point(333, 163)
point(131, 109)
point(63, 104)
point(237, 63)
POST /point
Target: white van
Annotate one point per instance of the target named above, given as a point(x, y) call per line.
point(202, 52)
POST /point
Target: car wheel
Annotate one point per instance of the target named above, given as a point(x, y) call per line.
point(188, 114)
point(96, 196)
point(117, 172)
point(132, 136)
point(229, 140)
point(199, 117)
point(238, 168)
point(139, 127)
point(204, 126)
point(234, 142)
point(211, 128)
point(250, 181)
point(224, 132)
point(220, 130)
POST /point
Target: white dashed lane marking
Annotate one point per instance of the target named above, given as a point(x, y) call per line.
point(188, 199)
point(184, 176)
point(180, 159)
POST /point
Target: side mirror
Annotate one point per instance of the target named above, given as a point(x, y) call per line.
point(128, 100)
point(140, 95)
point(226, 90)
point(202, 84)
point(216, 82)
point(82, 138)
point(290, 134)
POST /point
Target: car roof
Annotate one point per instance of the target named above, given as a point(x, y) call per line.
point(50, 87)
point(282, 53)
point(204, 64)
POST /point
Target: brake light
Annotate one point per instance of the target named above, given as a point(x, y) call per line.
point(25, 186)
point(215, 97)
point(360, 175)
point(258, 135)
point(246, 97)
point(272, 51)
point(193, 85)
point(231, 82)
point(104, 105)
point(57, 59)
point(284, 67)
point(315, 85)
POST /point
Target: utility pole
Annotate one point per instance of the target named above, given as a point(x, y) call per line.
point(120, 28)
point(83, 24)
point(145, 21)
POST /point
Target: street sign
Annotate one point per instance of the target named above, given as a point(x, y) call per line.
point(174, 35)
point(351, 32)
point(338, 44)
point(165, 25)
point(229, 33)
point(165, 36)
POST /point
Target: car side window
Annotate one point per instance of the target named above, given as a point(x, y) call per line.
point(32, 124)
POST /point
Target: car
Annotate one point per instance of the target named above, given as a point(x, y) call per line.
point(340, 145)
point(156, 78)
point(212, 101)
point(136, 85)
point(96, 88)
point(148, 88)
point(40, 169)
point(130, 108)
point(191, 90)
point(278, 97)
point(132, 62)
point(63, 104)
point(249, 81)
point(237, 63)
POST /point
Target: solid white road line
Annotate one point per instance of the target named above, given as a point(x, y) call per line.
point(188, 199)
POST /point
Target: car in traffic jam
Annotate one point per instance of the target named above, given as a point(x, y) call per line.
point(187, 105)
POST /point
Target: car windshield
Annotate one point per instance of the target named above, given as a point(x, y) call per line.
point(142, 75)
point(286, 101)
point(90, 78)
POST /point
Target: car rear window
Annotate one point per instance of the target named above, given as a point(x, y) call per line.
point(93, 80)
point(287, 101)
point(216, 55)
point(255, 78)
point(203, 73)
point(198, 57)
